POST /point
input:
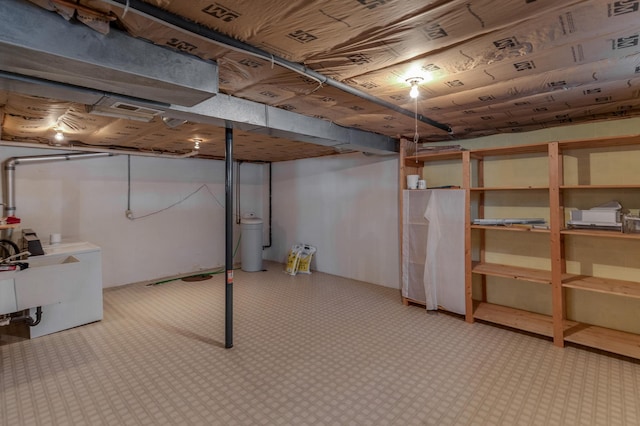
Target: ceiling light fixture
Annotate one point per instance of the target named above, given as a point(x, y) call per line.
point(59, 136)
point(414, 81)
point(197, 143)
point(414, 93)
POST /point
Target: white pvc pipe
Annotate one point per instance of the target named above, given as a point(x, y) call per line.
point(94, 149)
point(10, 170)
point(88, 152)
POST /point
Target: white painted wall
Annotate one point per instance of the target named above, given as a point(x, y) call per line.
point(346, 206)
point(85, 200)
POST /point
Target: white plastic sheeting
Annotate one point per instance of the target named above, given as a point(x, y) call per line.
point(433, 247)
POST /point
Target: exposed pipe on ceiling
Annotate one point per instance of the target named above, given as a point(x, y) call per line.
point(10, 168)
point(83, 148)
point(181, 23)
point(270, 208)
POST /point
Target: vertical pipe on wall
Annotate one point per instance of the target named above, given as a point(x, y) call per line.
point(10, 168)
point(228, 293)
point(270, 209)
point(128, 183)
point(238, 193)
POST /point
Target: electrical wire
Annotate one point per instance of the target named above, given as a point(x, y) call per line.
point(203, 186)
point(416, 136)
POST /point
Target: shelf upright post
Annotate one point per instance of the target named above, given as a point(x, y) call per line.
point(402, 177)
point(558, 264)
point(404, 170)
point(482, 236)
point(468, 276)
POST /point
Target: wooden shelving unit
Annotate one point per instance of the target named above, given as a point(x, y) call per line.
point(604, 338)
point(482, 188)
point(553, 188)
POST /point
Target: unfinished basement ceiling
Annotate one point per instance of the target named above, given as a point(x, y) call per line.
point(495, 66)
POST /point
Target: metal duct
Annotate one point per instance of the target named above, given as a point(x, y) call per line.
point(161, 15)
point(222, 110)
point(38, 43)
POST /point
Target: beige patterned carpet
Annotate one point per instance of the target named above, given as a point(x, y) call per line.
point(308, 350)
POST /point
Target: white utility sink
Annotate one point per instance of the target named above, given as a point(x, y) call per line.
point(47, 281)
point(66, 281)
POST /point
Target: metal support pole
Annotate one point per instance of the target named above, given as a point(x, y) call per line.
point(228, 293)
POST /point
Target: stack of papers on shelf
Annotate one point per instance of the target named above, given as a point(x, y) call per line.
point(511, 221)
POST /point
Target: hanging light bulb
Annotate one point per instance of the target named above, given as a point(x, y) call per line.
point(414, 81)
point(414, 92)
point(196, 143)
point(59, 136)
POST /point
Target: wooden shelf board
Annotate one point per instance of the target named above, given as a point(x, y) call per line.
point(599, 233)
point(511, 150)
point(516, 228)
point(600, 142)
point(628, 186)
point(432, 156)
point(513, 272)
point(514, 318)
point(510, 188)
point(603, 285)
point(12, 226)
point(620, 342)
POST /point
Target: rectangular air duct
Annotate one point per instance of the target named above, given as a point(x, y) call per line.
point(37, 43)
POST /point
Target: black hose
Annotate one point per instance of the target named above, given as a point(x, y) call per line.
point(13, 245)
point(27, 318)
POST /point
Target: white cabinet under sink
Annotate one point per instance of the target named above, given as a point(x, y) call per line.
point(66, 282)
